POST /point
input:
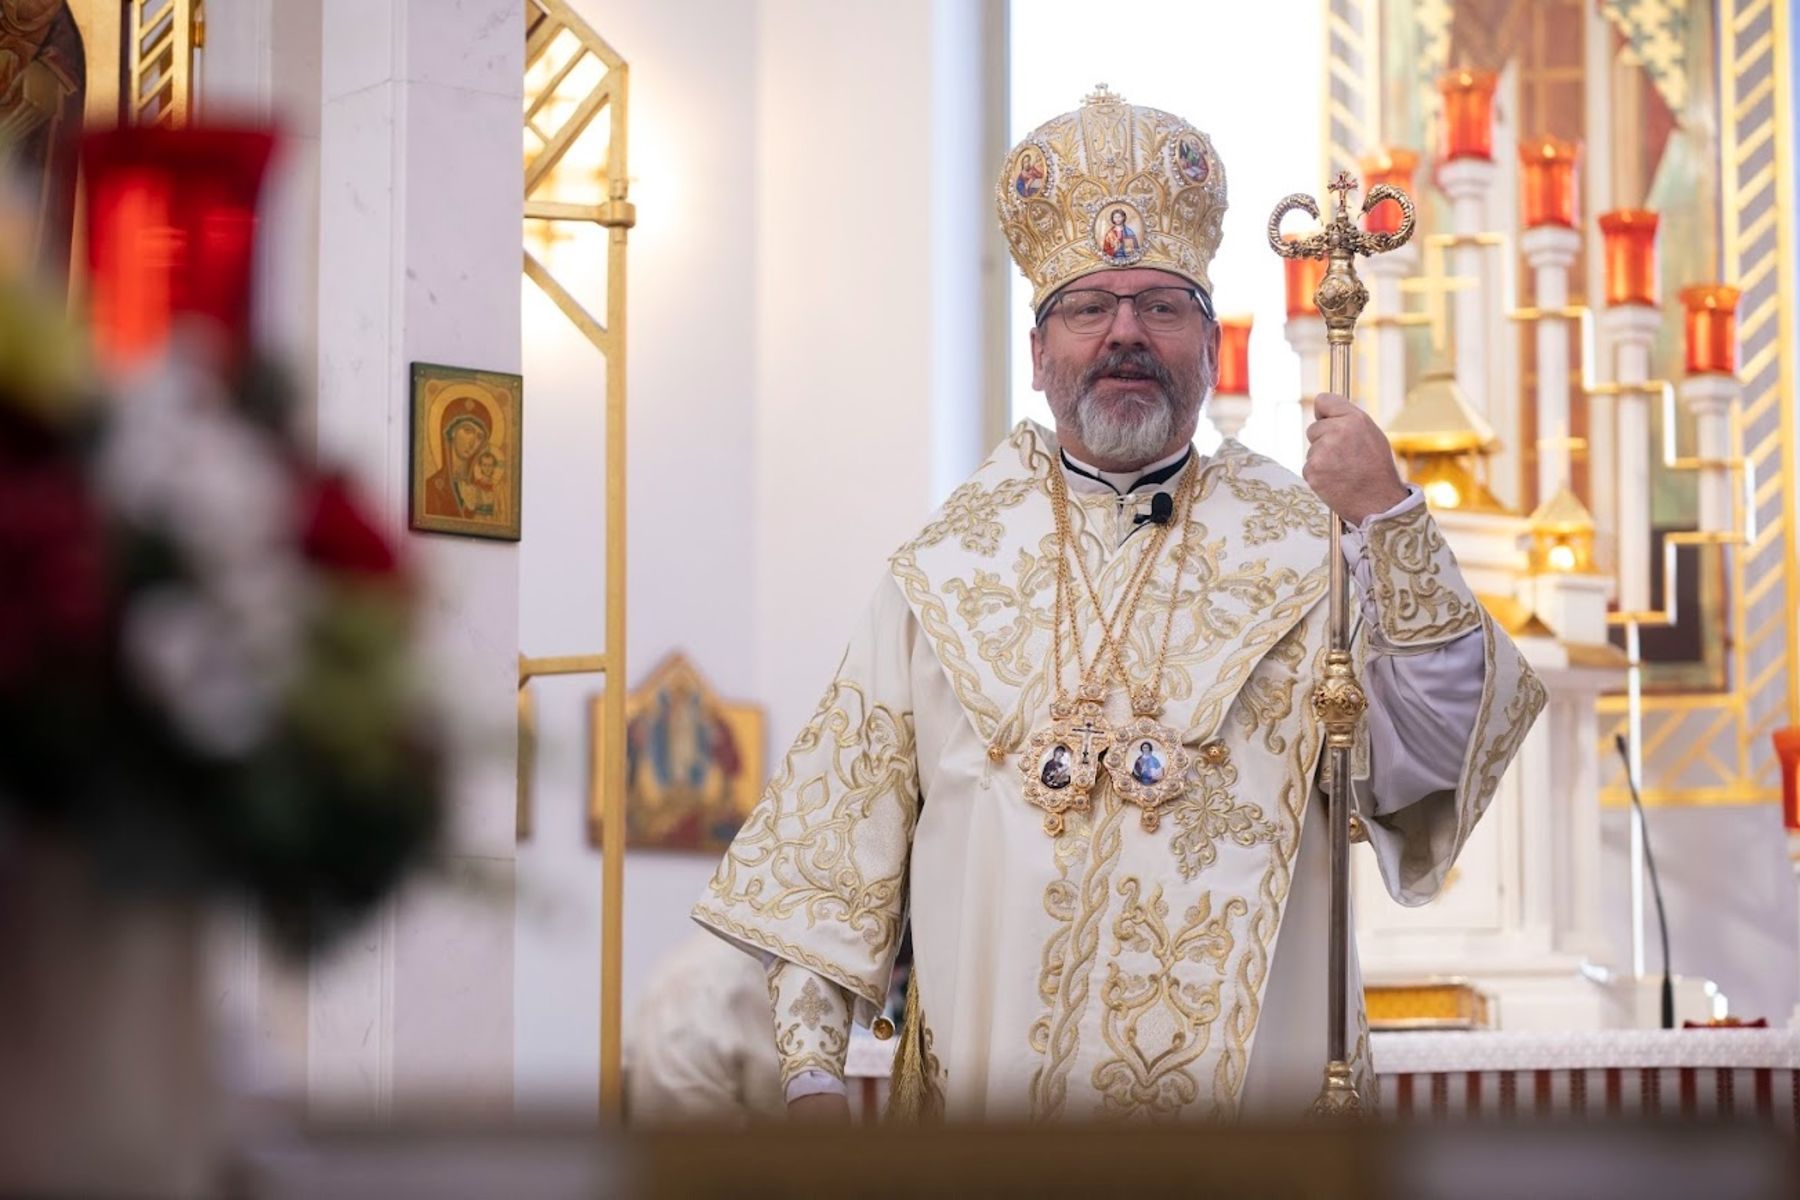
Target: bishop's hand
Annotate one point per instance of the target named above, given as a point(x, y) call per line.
point(1349, 463)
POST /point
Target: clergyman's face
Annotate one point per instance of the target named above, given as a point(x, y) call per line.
point(1124, 396)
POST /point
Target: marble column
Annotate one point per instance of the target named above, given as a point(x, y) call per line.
point(1306, 334)
point(1466, 181)
point(420, 217)
point(1551, 250)
point(1631, 329)
point(1384, 272)
point(1709, 398)
point(1228, 411)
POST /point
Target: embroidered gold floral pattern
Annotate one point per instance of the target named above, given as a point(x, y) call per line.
point(810, 1006)
point(1274, 511)
point(1208, 813)
point(1419, 596)
point(1157, 1022)
point(827, 843)
point(972, 515)
point(1077, 905)
point(1252, 968)
point(818, 1036)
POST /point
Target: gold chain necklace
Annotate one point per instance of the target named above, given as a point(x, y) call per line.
point(1151, 766)
point(1061, 762)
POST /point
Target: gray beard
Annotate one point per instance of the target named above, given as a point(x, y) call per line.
point(1137, 437)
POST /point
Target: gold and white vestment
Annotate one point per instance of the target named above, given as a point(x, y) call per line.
point(1113, 971)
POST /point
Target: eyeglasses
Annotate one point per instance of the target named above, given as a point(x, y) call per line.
point(1159, 309)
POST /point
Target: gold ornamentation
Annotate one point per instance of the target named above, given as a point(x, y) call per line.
point(1061, 762)
point(1271, 899)
point(1111, 185)
point(1409, 564)
point(972, 515)
point(1275, 510)
point(1341, 295)
point(818, 1038)
point(1149, 767)
point(1157, 1023)
point(827, 843)
point(859, 987)
point(810, 1006)
point(917, 1091)
point(1069, 956)
point(1338, 1099)
point(1207, 813)
point(1338, 701)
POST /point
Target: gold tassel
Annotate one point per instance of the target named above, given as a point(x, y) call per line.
point(914, 1094)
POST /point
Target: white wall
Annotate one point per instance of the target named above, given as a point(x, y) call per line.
point(691, 471)
point(798, 403)
point(419, 212)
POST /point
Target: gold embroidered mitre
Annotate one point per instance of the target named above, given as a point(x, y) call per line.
point(1111, 185)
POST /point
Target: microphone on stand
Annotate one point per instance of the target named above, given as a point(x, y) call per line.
point(1662, 917)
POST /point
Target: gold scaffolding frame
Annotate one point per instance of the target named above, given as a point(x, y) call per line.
point(545, 22)
point(160, 45)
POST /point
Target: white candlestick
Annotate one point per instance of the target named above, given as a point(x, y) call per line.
point(1466, 182)
point(1385, 271)
point(1631, 329)
point(1709, 398)
point(1551, 251)
point(1307, 337)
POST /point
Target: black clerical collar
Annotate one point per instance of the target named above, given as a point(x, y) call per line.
point(1160, 475)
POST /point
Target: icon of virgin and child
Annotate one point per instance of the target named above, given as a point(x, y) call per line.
point(467, 483)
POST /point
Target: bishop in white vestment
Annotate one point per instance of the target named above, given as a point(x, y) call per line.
point(1097, 937)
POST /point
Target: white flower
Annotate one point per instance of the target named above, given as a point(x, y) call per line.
point(218, 649)
point(184, 651)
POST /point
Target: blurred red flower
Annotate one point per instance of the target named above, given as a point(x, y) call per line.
point(337, 534)
point(53, 609)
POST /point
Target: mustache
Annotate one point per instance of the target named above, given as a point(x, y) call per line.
point(1137, 361)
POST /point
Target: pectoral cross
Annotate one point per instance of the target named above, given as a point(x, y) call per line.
point(1087, 731)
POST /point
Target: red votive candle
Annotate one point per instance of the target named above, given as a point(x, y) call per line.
point(1787, 752)
point(1303, 276)
point(1711, 329)
point(1393, 166)
point(1547, 181)
point(1468, 114)
point(1234, 356)
point(1630, 235)
point(171, 225)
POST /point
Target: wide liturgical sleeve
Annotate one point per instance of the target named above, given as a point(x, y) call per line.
point(817, 875)
point(1420, 607)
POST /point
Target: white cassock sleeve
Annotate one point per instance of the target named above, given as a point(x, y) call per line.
point(1422, 698)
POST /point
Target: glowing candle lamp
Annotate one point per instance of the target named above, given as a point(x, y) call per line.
point(1303, 276)
point(1547, 181)
point(1630, 237)
point(1711, 329)
point(171, 224)
point(1468, 114)
point(1234, 356)
point(1393, 166)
